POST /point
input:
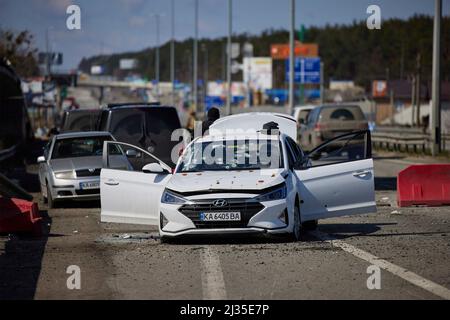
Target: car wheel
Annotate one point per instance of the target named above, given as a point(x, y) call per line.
point(296, 234)
point(50, 201)
point(310, 225)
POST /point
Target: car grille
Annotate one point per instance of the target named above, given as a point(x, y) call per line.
point(87, 173)
point(87, 192)
point(247, 210)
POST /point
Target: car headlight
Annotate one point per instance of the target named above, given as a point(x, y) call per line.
point(277, 194)
point(65, 175)
point(171, 198)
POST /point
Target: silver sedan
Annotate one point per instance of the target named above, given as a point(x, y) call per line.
point(70, 167)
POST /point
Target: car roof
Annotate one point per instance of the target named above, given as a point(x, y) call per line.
point(83, 111)
point(306, 107)
point(137, 105)
point(82, 134)
point(339, 105)
point(239, 136)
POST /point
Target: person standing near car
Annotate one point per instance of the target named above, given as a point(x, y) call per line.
point(212, 116)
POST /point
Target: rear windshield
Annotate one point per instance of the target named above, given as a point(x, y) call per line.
point(342, 113)
point(130, 122)
point(80, 121)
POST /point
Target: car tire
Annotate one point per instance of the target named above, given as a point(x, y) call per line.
point(296, 234)
point(165, 239)
point(310, 225)
point(50, 201)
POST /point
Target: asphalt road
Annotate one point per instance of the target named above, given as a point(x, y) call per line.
point(412, 247)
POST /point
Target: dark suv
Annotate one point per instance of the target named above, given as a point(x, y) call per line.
point(148, 126)
point(79, 120)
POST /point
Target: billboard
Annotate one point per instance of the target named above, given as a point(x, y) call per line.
point(128, 64)
point(281, 51)
point(306, 70)
point(379, 88)
point(258, 72)
point(96, 70)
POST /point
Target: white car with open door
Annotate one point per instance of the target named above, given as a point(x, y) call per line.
point(231, 183)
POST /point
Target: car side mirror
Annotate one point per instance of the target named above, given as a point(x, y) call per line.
point(41, 159)
point(131, 153)
point(153, 168)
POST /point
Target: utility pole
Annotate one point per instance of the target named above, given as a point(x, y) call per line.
point(418, 90)
point(436, 86)
point(157, 18)
point(413, 98)
point(230, 30)
point(322, 80)
point(291, 59)
point(195, 49)
point(48, 54)
point(172, 51)
point(205, 71)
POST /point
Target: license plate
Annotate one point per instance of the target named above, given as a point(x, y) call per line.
point(90, 185)
point(220, 216)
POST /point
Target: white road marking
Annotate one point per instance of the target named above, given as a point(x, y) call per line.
point(213, 285)
point(405, 274)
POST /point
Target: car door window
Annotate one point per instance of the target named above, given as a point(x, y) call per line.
point(122, 156)
point(349, 147)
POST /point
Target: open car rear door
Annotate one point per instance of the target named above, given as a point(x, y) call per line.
point(129, 195)
point(339, 179)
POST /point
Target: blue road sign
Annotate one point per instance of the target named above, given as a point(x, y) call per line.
point(307, 70)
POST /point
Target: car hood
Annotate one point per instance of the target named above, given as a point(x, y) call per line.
point(229, 180)
point(76, 163)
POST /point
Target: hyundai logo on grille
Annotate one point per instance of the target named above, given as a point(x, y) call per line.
point(220, 203)
point(91, 170)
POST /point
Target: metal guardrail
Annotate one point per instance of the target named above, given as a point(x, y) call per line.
point(8, 153)
point(405, 142)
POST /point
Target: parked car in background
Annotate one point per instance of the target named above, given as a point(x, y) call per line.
point(79, 120)
point(70, 167)
point(328, 121)
point(147, 126)
point(301, 113)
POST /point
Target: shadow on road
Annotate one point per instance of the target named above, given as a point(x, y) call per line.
point(348, 230)
point(21, 262)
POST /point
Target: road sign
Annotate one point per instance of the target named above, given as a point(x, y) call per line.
point(53, 58)
point(281, 51)
point(307, 70)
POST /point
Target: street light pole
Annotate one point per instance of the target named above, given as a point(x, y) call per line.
point(230, 30)
point(194, 84)
point(172, 52)
point(436, 85)
point(157, 16)
point(291, 59)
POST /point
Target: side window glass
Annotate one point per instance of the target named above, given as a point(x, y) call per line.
point(128, 158)
point(290, 155)
point(349, 147)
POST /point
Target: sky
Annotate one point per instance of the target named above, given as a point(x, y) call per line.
point(111, 26)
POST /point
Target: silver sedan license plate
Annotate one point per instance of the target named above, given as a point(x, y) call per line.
point(220, 216)
point(90, 185)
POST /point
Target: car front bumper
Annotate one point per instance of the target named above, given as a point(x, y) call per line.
point(65, 189)
point(264, 221)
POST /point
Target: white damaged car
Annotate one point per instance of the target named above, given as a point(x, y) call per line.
point(241, 181)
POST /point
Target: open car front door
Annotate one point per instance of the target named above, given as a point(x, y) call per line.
point(339, 178)
point(129, 192)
